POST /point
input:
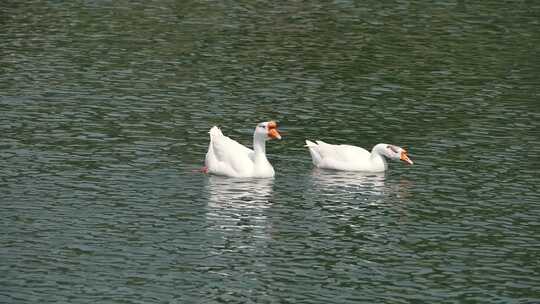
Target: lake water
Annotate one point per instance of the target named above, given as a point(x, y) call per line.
point(104, 112)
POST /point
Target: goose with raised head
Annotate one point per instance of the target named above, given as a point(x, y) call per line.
point(353, 158)
point(227, 157)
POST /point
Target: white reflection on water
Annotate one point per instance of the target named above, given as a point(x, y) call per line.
point(238, 204)
point(364, 202)
point(332, 182)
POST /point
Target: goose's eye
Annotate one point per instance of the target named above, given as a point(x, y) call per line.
point(261, 126)
point(392, 148)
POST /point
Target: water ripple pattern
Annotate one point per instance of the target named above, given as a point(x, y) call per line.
point(104, 112)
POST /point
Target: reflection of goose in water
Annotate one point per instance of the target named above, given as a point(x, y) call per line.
point(236, 204)
point(236, 228)
point(340, 182)
point(357, 201)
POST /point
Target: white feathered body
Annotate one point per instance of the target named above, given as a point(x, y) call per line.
point(227, 157)
point(345, 157)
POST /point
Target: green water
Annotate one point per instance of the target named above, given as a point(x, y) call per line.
point(104, 112)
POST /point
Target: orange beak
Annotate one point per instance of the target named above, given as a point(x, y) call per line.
point(272, 130)
point(404, 157)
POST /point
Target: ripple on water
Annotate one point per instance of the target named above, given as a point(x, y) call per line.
point(105, 110)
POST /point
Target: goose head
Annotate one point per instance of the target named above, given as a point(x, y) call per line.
point(397, 153)
point(267, 130)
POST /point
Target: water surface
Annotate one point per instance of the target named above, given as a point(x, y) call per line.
point(105, 108)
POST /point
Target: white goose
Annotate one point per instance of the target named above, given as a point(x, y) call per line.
point(352, 158)
point(227, 157)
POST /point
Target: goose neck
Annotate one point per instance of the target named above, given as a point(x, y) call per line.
point(259, 145)
point(378, 154)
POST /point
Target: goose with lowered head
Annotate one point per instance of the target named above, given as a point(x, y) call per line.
point(227, 157)
point(353, 158)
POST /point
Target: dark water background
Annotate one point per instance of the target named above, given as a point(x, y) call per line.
point(104, 113)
